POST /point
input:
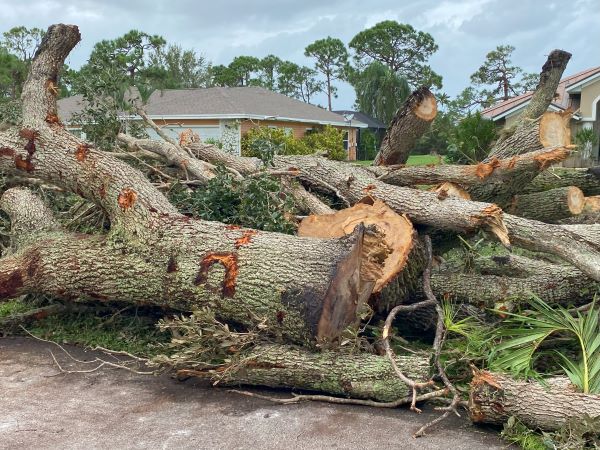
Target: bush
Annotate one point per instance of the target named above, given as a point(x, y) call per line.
point(368, 146)
point(265, 142)
point(471, 140)
point(254, 202)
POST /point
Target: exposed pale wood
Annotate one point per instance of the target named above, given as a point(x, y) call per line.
point(448, 189)
point(397, 229)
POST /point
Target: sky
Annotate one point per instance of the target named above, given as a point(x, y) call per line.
point(465, 30)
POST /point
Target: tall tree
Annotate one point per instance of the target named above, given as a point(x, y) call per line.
point(331, 59)
point(269, 66)
point(245, 68)
point(298, 81)
point(181, 68)
point(380, 91)
point(22, 42)
point(13, 72)
point(400, 47)
point(498, 79)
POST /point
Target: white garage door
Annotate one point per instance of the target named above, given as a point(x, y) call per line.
point(205, 132)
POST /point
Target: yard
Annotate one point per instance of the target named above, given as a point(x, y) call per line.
point(413, 160)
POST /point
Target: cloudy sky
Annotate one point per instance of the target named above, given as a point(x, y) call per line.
point(465, 30)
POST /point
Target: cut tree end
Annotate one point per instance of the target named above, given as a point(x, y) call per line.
point(576, 201)
point(555, 130)
point(451, 190)
point(426, 107)
point(592, 204)
point(397, 230)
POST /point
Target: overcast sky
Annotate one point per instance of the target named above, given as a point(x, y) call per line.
point(465, 30)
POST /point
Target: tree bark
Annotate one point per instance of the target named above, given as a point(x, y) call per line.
point(495, 397)
point(411, 121)
point(541, 99)
point(549, 206)
point(552, 129)
point(495, 181)
point(359, 375)
point(588, 180)
point(155, 254)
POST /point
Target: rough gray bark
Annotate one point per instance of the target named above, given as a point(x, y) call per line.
point(523, 136)
point(549, 206)
point(411, 121)
point(251, 276)
point(588, 180)
point(495, 397)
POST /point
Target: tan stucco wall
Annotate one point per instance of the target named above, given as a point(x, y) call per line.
point(511, 119)
point(588, 95)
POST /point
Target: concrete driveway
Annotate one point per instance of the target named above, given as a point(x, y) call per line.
point(42, 408)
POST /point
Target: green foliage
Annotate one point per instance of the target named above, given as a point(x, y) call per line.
point(113, 330)
point(516, 433)
point(368, 145)
point(498, 79)
point(266, 142)
point(254, 202)
point(12, 307)
point(471, 139)
point(331, 59)
point(200, 341)
point(523, 334)
point(379, 91)
point(436, 140)
point(401, 48)
point(299, 82)
point(581, 434)
point(23, 42)
point(586, 139)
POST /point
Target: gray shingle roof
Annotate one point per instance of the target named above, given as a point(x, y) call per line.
point(372, 122)
point(224, 102)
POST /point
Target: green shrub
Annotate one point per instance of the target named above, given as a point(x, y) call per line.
point(254, 202)
point(265, 142)
point(471, 140)
point(369, 145)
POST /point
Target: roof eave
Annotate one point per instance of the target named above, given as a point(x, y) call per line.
point(249, 116)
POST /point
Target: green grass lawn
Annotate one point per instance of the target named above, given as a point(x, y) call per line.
point(413, 160)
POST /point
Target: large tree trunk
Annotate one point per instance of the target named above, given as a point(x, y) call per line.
point(153, 253)
point(549, 206)
point(528, 121)
point(356, 375)
point(495, 397)
point(411, 121)
point(588, 180)
point(552, 129)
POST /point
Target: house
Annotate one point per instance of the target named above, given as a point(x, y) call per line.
point(227, 113)
point(580, 93)
point(373, 125)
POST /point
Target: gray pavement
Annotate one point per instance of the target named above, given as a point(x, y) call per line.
point(42, 408)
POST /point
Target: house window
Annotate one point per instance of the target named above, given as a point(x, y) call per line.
point(346, 136)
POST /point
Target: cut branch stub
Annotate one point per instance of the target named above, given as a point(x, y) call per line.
point(411, 121)
point(397, 229)
point(549, 206)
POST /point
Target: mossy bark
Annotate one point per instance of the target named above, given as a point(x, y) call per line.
point(357, 375)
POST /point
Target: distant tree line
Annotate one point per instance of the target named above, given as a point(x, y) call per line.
point(383, 64)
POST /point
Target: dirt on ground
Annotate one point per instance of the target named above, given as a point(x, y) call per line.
point(43, 408)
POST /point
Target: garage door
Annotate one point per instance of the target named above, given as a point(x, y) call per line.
point(205, 132)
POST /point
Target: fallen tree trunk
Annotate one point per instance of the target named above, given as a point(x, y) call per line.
point(358, 375)
point(549, 206)
point(411, 121)
point(552, 129)
point(495, 397)
point(497, 181)
point(249, 277)
point(588, 180)
point(529, 122)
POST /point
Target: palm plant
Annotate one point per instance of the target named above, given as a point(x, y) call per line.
point(526, 333)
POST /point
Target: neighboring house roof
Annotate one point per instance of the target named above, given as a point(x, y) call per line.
point(372, 122)
point(224, 103)
point(561, 101)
